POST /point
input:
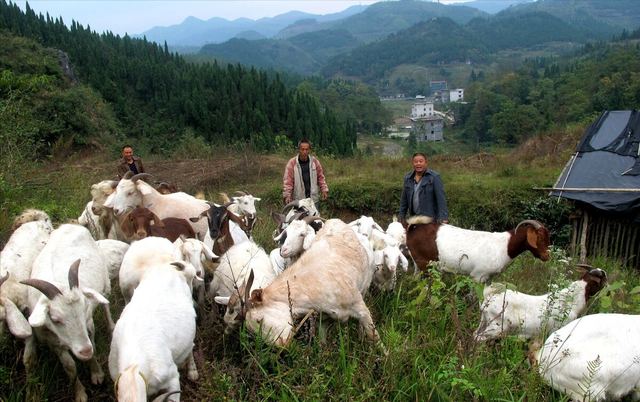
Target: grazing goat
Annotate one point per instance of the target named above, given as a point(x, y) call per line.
point(68, 280)
point(470, 252)
point(511, 312)
point(30, 215)
point(136, 225)
point(133, 192)
point(594, 358)
point(154, 334)
point(230, 278)
point(330, 278)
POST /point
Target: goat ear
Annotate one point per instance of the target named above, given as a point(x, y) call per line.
point(157, 221)
point(207, 252)
point(311, 234)
point(532, 237)
point(17, 323)
point(126, 226)
point(256, 297)
point(39, 314)
point(94, 295)
point(405, 262)
point(224, 300)
point(378, 257)
point(144, 189)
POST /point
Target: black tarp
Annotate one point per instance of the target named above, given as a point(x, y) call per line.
point(607, 158)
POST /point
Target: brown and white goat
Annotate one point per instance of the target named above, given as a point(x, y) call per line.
point(330, 278)
point(472, 252)
point(137, 225)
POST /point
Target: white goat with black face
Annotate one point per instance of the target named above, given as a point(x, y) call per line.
point(154, 334)
point(68, 281)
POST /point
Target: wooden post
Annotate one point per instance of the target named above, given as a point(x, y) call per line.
point(583, 238)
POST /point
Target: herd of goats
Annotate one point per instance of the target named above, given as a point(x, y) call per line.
point(154, 244)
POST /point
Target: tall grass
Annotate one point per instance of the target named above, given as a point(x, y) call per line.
point(427, 323)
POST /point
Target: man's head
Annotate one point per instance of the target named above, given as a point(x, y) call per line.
point(420, 162)
point(127, 153)
point(304, 149)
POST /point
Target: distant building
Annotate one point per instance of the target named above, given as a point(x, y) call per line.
point(391, 96)
point(427, 128)
point(456, 95)
point(436, 87)
point(422, 109)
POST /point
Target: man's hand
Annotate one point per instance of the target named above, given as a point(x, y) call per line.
point(324, 195)
point(287, 200)
point(403, 222)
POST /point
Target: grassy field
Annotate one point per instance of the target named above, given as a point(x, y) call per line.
point(427, 323)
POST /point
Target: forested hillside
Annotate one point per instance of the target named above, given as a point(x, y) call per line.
point(159, 98)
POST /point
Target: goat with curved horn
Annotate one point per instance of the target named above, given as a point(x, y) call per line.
point(48, 289)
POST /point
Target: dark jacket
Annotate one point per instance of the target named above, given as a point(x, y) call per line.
point(431, 195)
point(123, 166)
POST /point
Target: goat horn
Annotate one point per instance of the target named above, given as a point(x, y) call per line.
point(309, 219)
point(248, 285)
point(114, 183)
point(178, 265)
point(4, 279)
point(165, 397)
point(48, 289)
point(139, 176)
point(127, 175)
point(226, 204)
point(294, 203)
point(298, 216)
point(534, 223)
point(73, 274)
point(183, 238)
point(241, 192)
point(585, 266)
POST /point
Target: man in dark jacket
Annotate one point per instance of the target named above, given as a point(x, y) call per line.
point(129, 162)
point(423, 193)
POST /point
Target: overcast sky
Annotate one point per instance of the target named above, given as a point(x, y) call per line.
point(137, 16)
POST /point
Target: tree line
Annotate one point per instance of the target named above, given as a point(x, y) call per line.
point(157, 96)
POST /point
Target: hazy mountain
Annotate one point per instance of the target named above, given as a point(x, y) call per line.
point(304, 54)
point(492, 6)
point(196, 32)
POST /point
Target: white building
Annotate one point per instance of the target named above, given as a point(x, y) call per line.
point(422, 109)
point(456, 95)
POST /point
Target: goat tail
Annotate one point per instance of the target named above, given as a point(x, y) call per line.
point(419, 220)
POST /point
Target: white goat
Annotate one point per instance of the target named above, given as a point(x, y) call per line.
point(397, 231)
point(68, 280)
point(30, 215)
point(113, 252)
point(364, 225)
point(475, 253)
point(134, 192)
point(91, 221)
point(330, 278)
point(9, 313)
point(297, 238)
point(19, 254)
point(278, 262)
point(109, 226)
point(194, 251)
point(154, 334)
point(386, 261)
point(230, 278)
point(510, 312)
point(594, 358)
